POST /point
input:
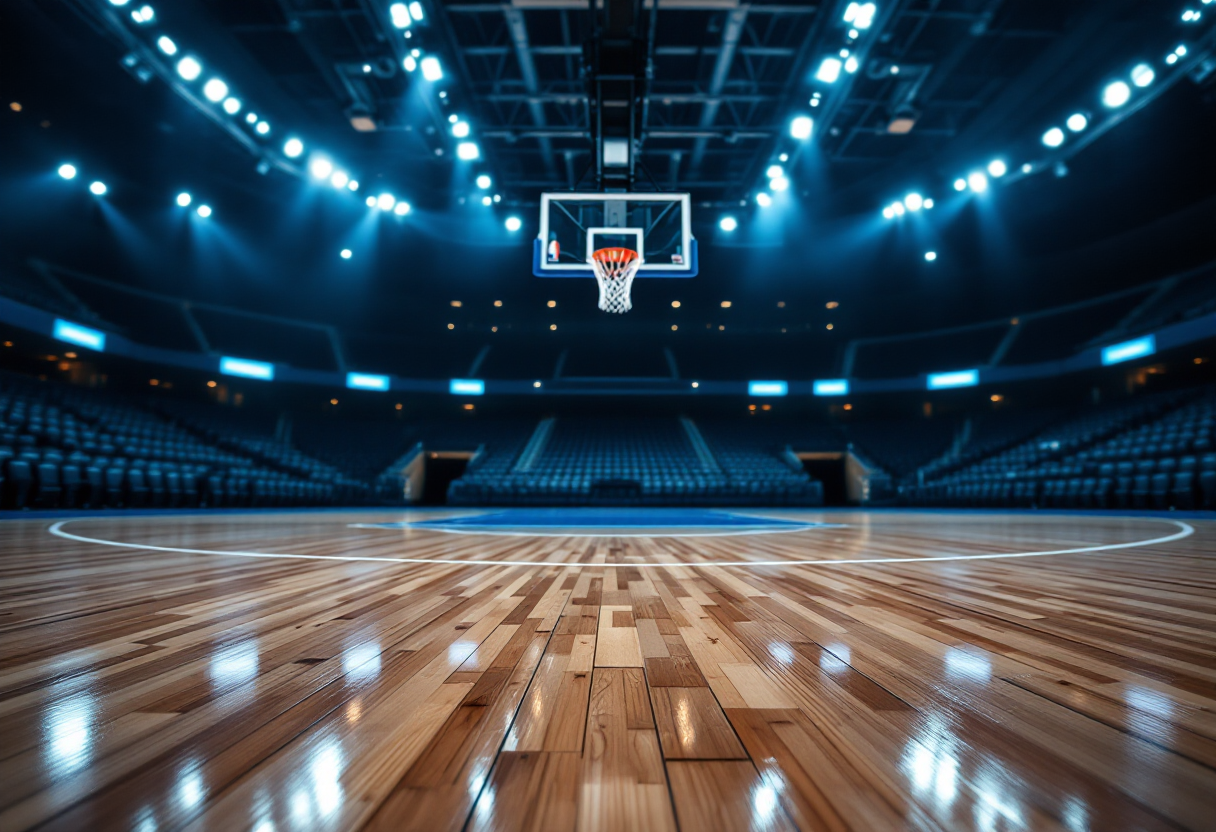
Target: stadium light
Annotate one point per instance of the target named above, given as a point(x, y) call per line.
point(340, 179)
point(345, 254)
point(410, 63)
point(514, 224)
point(232, 106)
point(371, 202)
point(860, 15)
point(830, 387)
point(165, 44)
point(431, 70)
point(484, 182)
point(98, 188)
point(468, 151)
point(888, 212)
point(143, 15)
point(779, 184)
point(1191, 16)
point(263, 128)
point(292, 148)
point(183, 199)
point(767, 388)
point(416, 10)
point(1077, 122)
point(320, 167)
point(914, 202)
point(957, 378)
point(204, 211)
point(763, 199)
point(67, 171)
point(81, 336)
point(1143, 75)
point(352, 185)
point(467, 387)
point(851, 65)
point(460, 129)
point(118, 2)
point(400, 15)
point(997, 168)
point(774, 171)
point(929, 203)
point(366, 381)
point(829, 70)
point(801, 127)
point(1053, 137)
point(977, 182)
point(1126, 351)
point(246, 368)
point(930, 256)
point(189, 68)
point(402, 208)
point(960, 184)
point(386, 201)
point(728, 223)
point(1116, 95)
point(898, 208)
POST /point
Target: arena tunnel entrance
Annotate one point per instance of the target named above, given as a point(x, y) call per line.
point(440, 470)
point(829, 469)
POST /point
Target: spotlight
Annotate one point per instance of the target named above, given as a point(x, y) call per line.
point(929, 204)
point(431, 70)
point(487, 200)
point(728, 223)
point(774, 171)
point(292, 148)
point(166, 45)
point(497, 197)
point(67, 171)
point(353, 185)
point(829, 70)
point(960, 184)
point(232, 106)
point(1180, 51)
point(484, 182)
point(402, 209)
point(118, 2)
point(899, 209)
point(385, 202)
point(1027, 168)
point(801, 127)
point(98, 188)
point(204, 211)
point(1171, 59)
point(189, 68)
point(400, 14)
point(779, 184)
point(345, 254)
point(1116, 94)
point(850, 66)
point(977, 182)
point(914, 202)
point(1191, 16)
point(930, 256)
point(183, 199)
point(320, 167)
point(997, 168)
point(371, 202)
point(860, 15)
point(514, 224)
point(468, 151)
point(339, 179)
point(460, 129)
point(215, 90)
point(784, 157)
point(1077, 122)
point(1053, 137)
point(1143, 75)
point(888, 212)
point(410, 63)
point(144, 14)
point(416, 10)
point(263, 128)
point(763, 199)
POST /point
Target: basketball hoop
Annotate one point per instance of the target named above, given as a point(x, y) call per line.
point(614, 270)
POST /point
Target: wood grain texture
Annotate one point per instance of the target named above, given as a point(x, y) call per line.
point(607, 683)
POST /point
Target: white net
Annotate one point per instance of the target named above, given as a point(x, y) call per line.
point(614, 271)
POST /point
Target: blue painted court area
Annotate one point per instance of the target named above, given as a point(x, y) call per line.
point(541, 520)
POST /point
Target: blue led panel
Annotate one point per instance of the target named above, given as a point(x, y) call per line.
point(1138, 348)
point(467, 387)
point(831, 387)
point(767, 388)
point(82, 336)
point(247, 368)
point(957, 378)
point(365, 381)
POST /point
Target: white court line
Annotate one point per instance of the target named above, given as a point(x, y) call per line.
point(600, 531)
point(1185, 530)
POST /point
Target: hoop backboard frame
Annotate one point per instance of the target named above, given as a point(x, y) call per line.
point(543, 267)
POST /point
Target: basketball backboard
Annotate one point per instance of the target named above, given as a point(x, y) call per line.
point(573, 225)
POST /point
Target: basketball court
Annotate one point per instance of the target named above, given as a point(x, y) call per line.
point(607, 669)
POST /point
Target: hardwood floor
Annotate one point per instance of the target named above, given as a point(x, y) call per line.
point(584, 686)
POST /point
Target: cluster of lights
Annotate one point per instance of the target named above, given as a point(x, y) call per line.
point(388, 202)
point(1115, 95)
point(911, 203)
point(69, 172)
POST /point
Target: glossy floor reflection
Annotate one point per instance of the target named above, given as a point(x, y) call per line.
point(593, 682)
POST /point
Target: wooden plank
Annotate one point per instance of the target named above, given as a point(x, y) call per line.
point(692, 726)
